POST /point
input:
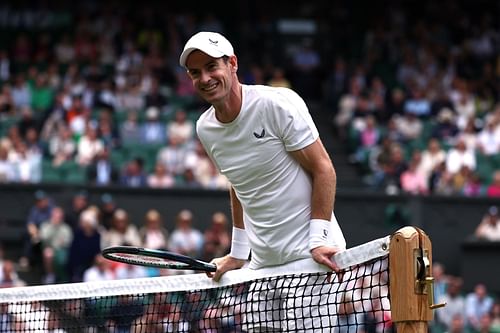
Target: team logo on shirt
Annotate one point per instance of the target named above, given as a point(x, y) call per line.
point(261, 135)
point(325, 234)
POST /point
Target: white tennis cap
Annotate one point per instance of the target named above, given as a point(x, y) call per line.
point(211, 43)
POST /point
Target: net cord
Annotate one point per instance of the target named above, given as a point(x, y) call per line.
point(350, 257)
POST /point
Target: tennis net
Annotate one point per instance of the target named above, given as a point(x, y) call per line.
point(293, 298)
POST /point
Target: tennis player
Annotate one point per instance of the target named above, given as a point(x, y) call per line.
point(265, 142)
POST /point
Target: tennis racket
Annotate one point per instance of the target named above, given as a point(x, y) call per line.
point(155, 258)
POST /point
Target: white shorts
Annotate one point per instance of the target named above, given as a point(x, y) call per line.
point(298, 303)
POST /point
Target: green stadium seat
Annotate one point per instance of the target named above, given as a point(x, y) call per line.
point(77, 176)
point(51, 176)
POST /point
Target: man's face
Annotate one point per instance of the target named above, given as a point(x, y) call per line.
point(212, 77)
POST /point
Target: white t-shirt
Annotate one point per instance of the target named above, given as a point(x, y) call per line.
point(275, 192)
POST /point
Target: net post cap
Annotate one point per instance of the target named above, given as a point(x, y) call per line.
point(211, 43)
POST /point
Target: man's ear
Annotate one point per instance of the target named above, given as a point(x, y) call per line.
point(233, 61)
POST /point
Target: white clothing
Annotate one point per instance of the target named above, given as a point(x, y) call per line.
point(489, 141)
point(275, 192)
point(88, 149)
point(188, 242)
point(489, 231)
point(183, 131)
point(430, 161)
point(455, 159)
point(95, 274)
point(113, 237)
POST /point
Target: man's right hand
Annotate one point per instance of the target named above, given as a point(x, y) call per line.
point(224, 264)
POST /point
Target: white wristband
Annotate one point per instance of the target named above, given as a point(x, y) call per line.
point(240, 248)
point(318, 233)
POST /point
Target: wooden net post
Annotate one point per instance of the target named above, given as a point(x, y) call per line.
point(411, 286)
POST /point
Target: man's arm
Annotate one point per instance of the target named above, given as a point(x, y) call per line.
point(236, 210)
point(239, 243)
point(315, 160)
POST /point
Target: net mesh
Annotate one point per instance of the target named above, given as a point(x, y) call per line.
point(355, 301)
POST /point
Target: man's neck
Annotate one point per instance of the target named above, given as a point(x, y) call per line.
point(230, 107)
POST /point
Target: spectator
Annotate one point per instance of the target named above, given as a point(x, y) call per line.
point(89, 146)
point(457, 325)
point(77, 116)
point(130, 130)
point(455, 304)
point(161, 177)
point(441, 181)
point(62, 147)
point(107, 210)
point(107, 132)
point(99, 271)
point(441, 280)
point(173, 156)
point(181, 127)
point(121, 232)
point(418, 104)
point(412, 180)
point(152, 130)
point(465, 108)
point(102, 171)
point(185, 239)
point(79, 203)
point(134, 174)
point(155, 97)
point(477, 304)
point(216, 239)
point(410, 126)
point(40, 212)
point(27, 164)
point(20, 91)
point(188, 180)
point(278, 79)
point(56, 237)
point(469, 135)
point(9, 277)
point(85, 246)
point(473, 186)
point(369, 137)
point(394, 169)
point(432, 156)
point(153, 234)
point(42, 96)
point(493, 190)
point(495, 317)
point(488, 140)
point(346, 107)
point(7, 171)
point(489, 227)
point(445, 130)
point(459, 156)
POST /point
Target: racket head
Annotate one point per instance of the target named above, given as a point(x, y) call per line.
point(155, 258)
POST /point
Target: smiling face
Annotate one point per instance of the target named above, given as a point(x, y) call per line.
point(213, 78)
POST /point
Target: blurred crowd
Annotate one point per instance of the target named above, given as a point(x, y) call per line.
point(95, 93)
point(474, 311)
point(420, 112)
point(63, 244)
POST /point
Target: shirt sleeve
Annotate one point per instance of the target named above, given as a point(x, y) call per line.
point(296, 126)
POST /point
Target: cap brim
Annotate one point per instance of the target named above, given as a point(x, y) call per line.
point(185, 54)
